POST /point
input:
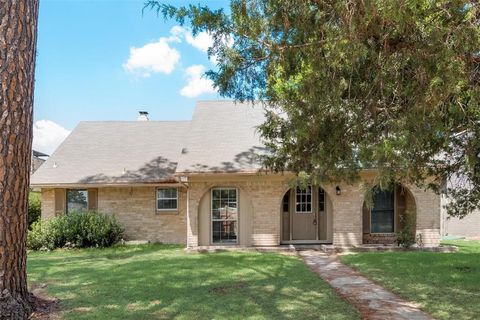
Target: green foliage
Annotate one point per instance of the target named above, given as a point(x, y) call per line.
point(386, 84)
point(406, 236)
point(86, 229)
point(34, 207)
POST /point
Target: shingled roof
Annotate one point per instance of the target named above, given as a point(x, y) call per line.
point(221, 137)
point(115, 152)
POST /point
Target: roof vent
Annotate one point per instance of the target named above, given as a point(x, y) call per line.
point(142, 116)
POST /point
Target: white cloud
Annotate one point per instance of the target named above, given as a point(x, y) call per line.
point(47, 136)
point(177, 31)
point(154, 57)
point(201, 41)
point(197, 84)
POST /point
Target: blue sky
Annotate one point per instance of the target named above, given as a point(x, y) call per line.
point(103, 60)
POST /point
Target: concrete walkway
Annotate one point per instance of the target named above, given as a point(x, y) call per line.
point(372, 300)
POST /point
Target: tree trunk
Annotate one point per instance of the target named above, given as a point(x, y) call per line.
point(18, 33)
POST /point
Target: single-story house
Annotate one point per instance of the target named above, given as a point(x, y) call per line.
point(201, 183)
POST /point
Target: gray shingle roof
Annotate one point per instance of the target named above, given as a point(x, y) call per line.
point(223, 138)
point(39, 154)
point(116, 152)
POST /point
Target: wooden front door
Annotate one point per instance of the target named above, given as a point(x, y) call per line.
point(304, 215)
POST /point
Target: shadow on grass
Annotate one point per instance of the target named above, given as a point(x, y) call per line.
point(163, 282)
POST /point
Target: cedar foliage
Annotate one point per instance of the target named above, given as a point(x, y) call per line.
point(349, 85)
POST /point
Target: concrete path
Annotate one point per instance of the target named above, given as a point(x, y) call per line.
point(372, 300)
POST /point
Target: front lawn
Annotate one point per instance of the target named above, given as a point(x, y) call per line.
point(164, 282)
point(446, 285)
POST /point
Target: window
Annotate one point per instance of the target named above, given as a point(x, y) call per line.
point(224, 215)
point(303, 203)
point(167, 199)
point(383, 213)
point(77, 200)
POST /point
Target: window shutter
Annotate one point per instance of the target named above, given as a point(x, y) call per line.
point(60, 201)
point(93, 199)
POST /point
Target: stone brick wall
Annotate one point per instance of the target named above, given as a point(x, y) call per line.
point(379, 238)
point(265, 194)
point(135, 209)
point(428, 215)
point(347, 214)
point(48, 203)
point(468, 227)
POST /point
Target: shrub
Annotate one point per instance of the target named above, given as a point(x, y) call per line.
point(83, 230)
point(34, 207)
point(406, 236)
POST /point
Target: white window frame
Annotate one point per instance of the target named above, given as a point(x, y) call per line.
point(311, 199)
point(157, 198)
point(212, 220)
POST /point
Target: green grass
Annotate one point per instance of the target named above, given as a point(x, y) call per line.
point(164, 282)
point(446, 285)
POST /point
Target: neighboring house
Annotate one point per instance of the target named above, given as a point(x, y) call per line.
point(200, 183)
point(38, 158)
point(468, 227)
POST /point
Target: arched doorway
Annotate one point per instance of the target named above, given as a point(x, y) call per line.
point(225, 216)
point(306, 216)
point(389, 212)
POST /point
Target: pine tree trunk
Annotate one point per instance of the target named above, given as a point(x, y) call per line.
point(18, 33)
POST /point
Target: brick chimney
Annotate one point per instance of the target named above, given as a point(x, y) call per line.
point(142, 116)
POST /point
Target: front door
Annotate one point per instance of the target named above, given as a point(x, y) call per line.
point(304, 216)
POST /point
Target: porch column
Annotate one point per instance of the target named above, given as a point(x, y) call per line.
point(266, 199)
point(347, 214)
point(428, 205)
point(193, 200)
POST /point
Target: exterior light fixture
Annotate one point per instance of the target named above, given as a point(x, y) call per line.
point(183, 179)
point(338, 191)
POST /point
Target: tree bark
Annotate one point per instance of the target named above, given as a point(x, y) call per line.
point(18, 34)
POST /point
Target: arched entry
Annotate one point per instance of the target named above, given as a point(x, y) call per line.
point(390, 211)
point(306, 216)
point(225, 216)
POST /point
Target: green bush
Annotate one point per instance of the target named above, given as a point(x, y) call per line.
point(406, 236)
point(34, 207)
point(82, 230)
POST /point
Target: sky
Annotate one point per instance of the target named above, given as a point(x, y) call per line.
point(104, 60)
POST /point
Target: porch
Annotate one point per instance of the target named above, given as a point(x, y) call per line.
point(263, 211)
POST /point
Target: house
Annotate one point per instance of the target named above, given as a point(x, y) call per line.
point(201, 183)
point(468, 227)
